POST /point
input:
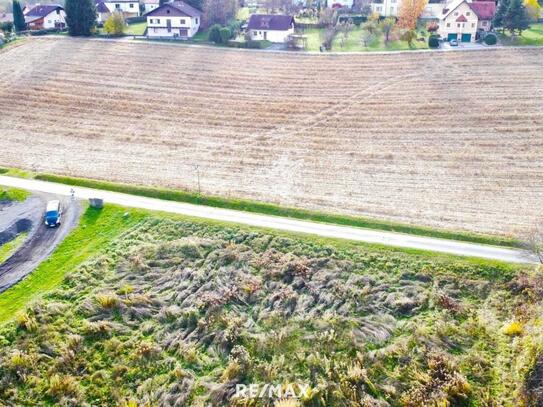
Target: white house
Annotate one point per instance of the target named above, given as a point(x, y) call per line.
point(386, 8)
point(173, 20)
point(46, 16)
point(273, 28)
point(461, 20)
point(129, 8)
point(102, 12)
point(150, 5)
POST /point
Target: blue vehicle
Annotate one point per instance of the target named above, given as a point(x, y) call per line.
point(53, 213)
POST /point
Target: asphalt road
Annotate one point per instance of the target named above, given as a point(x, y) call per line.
point(41, 241)
point(279, 223)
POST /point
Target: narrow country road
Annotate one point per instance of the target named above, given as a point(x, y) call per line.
point(279, 223)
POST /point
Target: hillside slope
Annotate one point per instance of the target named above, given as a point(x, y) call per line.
point(178, 313)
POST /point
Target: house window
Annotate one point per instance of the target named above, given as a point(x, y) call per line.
point(484, 23)
point(155, 30)
point(455, 13)
point(468, 13)
point(167, 11)
point(472, 25)
point(458, 25)
point(117, 6)
point(448, 24)
point(391, 10)
point(58, 11)
point(49, 21)
point(182, 21)
point(393, 1)
point(157, 21)
point(378, 9)
point(131, 5)
point(196, 21)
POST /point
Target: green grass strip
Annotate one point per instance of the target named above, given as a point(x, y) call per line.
point(97, 228)
point(276, 210)
point(13, 194)
point(7, 249)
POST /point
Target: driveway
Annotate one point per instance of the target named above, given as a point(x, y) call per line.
point(41, 241)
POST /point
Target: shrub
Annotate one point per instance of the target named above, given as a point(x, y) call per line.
point(63, 386)
point(433, 42)
point(513, 329)
point(224, 34)
point(215, 33)
point(107, 301)
point(490, 39)
point(114, 25)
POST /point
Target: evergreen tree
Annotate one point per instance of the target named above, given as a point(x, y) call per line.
point(516, 17)
point(80, 16)
point(499, 17)
point(18, 17)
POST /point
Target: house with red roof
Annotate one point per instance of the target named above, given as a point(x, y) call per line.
point(45, 16)
point(461, 20)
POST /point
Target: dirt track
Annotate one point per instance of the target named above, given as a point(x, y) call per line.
point(41, 241)
point(450, 140)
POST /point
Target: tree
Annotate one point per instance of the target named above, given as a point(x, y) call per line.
point(115, 24)
point(409, 36)
point(6, 27)
point(80, 16)
point(499, 17)
point(432, 27)
point(533, 9)
point(198, 4)
point(367, 38)
point(516, 17)
point(533, 241)
point(410, 11)
point(370, 26)
point(215, 33)
point(386, 26)
point(219, 11)
point(18, 17)
point(225, 34)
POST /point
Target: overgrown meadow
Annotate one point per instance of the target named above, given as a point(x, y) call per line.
point(176, 313)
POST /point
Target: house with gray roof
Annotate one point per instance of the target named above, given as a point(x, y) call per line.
point(270, 27)
point(176, 20)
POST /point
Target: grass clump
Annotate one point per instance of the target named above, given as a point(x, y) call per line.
point(177, 312)
point(13, 194)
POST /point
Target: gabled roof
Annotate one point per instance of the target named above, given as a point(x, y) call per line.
point(41, 11)
point(174, 9)
point(461, 19)
point(101, 7)
point(485, 10)
point(270, 22)
point(451, 7)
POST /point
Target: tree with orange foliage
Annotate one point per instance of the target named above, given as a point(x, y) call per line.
point(410, 11)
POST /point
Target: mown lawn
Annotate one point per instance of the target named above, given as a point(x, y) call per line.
point(96, 230)
point(136, 28)
point(353, 43)
point(532, 36)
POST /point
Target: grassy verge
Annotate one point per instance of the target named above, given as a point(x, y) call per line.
point(95, 231)
point(531, 36)
point(275, 210)
point(7, 249)
point(13, 194)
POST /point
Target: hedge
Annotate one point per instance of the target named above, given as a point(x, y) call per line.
point(490, 39)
